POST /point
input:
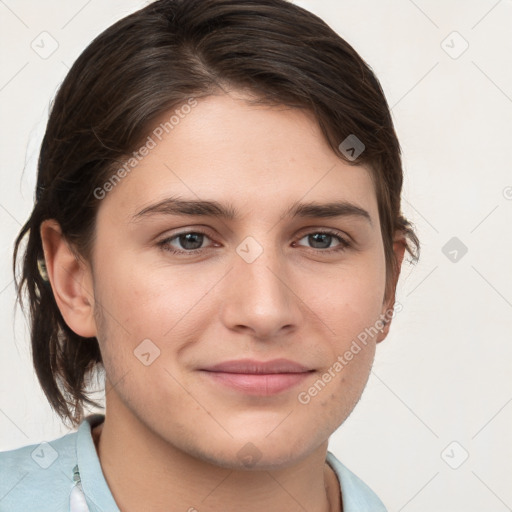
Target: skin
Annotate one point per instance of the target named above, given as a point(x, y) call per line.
point(184, 431)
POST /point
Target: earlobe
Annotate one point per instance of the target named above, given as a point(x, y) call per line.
point(385, 318)
point(70, 279)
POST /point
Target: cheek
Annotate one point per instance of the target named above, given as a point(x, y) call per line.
point(348, 298)
point(349, 307)
point(149, 311)
point(147, 302)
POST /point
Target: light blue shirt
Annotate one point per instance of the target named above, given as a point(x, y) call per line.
point(45, 477)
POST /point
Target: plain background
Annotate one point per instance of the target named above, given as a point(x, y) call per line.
point(441, 386)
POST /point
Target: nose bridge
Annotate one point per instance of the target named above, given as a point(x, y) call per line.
point(259, 266)
point(259, 296)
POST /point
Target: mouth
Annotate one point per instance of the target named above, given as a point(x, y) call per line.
point(263, 378)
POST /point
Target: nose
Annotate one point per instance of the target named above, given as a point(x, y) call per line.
point(258, 297)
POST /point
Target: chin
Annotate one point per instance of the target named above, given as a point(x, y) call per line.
point(258, 453)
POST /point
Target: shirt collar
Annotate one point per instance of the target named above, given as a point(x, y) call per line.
point(97, 493)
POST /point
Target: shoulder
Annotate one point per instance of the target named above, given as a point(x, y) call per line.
point(356, 495)
point(39, 474)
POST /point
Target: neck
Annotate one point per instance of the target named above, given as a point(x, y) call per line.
point(145, 472)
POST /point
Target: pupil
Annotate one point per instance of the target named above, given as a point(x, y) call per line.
point(191, 238)
point(325, 237)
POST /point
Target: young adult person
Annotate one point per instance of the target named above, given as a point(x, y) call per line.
point(217, 231)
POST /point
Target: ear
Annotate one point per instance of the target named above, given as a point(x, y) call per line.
point(388, 308)
point(70, 279)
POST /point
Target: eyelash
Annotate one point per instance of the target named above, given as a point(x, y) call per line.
point(343, 245)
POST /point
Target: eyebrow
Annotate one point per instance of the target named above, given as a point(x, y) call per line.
point(176, 206)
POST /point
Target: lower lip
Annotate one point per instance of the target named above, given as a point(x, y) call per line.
point(259, 384)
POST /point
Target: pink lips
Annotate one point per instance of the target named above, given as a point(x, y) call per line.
point(258, 377)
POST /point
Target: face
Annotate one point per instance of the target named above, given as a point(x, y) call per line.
point(189, 302)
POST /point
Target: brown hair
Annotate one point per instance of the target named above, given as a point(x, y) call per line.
point(150, 62)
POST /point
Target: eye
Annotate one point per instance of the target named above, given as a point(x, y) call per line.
point(189, 241)
point(321, 241)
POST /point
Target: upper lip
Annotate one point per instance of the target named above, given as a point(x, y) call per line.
point(251, 366)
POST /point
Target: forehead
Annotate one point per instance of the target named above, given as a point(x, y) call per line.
point(255, 157)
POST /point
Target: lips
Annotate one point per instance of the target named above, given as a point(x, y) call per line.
point(263, 378)
point(250, 366)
